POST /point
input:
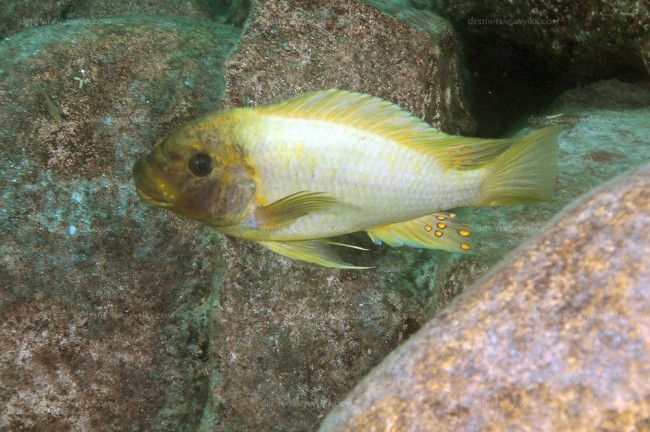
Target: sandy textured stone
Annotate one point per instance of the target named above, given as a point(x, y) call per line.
point(555, 339)
point(609, 134)
point(293, 337)
point(292, 46)
point(105, 302)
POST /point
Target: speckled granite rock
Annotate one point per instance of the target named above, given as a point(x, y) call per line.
point(105, 302)
point(16, 16)
point(292, 46)
point(555, 339)
point(294, 338)
point(609, 135)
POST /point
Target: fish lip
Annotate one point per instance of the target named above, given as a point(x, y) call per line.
point(142, 179)
point(153, 201)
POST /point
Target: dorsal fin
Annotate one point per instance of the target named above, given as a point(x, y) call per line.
point(384, 118)
point(354, 109)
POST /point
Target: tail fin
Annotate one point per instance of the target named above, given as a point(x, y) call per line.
point(524, 173)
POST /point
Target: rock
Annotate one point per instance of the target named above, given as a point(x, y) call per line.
point(554, 339)
point(106, 303)
point(18, 16)
point(596, 39)
point(521, 55)
point(26, 14)
point(609, 135)
point(610, 95)
point(231, 12)
point(294, 338)
point(292, 46)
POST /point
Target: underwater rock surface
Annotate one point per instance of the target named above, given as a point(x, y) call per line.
point(293, 46)
point(294, 338)
point(609, 134)
point(16, 16)
point(105, 302)
point(556, 338)
point(595, 38)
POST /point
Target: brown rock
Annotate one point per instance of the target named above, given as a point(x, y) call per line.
point(608, 135)
point(105, 302)
point(554, 339)
point(294, 337)
point(292, 46)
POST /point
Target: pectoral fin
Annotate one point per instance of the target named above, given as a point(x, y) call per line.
point(434, 231)
point(313, 251)
point(288, 209)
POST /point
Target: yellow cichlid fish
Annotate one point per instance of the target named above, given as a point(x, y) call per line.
point(326, 163)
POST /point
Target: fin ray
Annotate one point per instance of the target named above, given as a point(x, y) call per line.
point(312, 251)
point(384, 118)
point(433, 231)
point(525, 173)
point(294, 206)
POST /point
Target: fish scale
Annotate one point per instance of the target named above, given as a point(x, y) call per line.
point(291, 175)
point(393, 184)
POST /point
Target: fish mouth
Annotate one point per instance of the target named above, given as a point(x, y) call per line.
point(145, 186)
point(153, 201)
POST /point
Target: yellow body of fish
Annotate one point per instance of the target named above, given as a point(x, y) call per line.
point(325, 163)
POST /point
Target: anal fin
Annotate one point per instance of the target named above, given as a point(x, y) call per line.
point(433, 231)
point(312, 251)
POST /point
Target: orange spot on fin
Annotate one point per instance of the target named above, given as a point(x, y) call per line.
point(410, 233)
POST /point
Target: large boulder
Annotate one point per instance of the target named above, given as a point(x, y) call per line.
point(609, 134)
point(556, 338)
point(294, 338)
point(103, 326)
point(292, 46)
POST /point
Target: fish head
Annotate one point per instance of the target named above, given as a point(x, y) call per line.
point(199, 172)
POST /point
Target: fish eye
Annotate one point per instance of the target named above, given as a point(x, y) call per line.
point(200, 164)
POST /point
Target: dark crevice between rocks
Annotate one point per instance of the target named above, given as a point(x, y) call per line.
point(505, 84)
point(233, 12)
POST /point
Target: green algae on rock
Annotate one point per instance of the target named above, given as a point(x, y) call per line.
point(554, 339)
point(103, 327)
point(17, 16)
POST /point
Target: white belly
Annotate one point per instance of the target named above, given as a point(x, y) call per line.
point(377, 181)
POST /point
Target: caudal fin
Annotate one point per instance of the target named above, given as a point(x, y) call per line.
point(524, 173)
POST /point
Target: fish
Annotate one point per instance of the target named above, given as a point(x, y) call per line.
point(293, 175)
